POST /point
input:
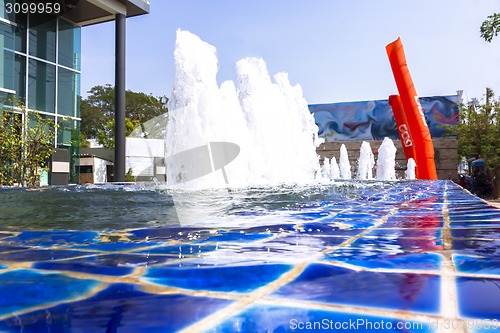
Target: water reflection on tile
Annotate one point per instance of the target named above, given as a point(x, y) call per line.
point(477, 265)
point(330, 284)
point(228, 279)
point(386, 259)
point(23, 289)
point(479, 298)
point(266, 318)
point(118, 308)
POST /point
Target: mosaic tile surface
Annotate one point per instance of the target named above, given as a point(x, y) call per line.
point(409, 257)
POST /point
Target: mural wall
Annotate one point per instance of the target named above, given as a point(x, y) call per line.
point(374, 120)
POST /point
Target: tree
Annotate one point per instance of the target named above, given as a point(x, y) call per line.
point(98, 112)
point(478, 132)
point(490, 27)
point(26, 144)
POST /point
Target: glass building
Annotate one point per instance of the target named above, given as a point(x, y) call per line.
point(40, 66)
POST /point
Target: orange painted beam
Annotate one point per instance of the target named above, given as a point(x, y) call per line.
point(424, 149)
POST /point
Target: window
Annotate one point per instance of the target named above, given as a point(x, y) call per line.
point(42, 39)
point(68, 93)
point(41, 86)
point(3, 11)
point(69, 45)
point(6, 57)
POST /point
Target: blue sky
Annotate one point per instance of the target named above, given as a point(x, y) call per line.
point(334, 49)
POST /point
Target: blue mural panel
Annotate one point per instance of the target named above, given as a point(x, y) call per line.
point(374, 120)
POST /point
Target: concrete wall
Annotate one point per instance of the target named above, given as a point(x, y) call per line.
point(445, 151)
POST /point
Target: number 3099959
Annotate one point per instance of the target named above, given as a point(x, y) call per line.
point(33, 8)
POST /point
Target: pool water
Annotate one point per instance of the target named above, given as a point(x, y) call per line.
point(404, 256)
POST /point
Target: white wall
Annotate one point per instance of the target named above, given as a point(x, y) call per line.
point(140, 154)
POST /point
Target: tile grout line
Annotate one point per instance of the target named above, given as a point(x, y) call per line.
point(448, 294)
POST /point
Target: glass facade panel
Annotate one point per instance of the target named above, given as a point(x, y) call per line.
point(7, 34)
point(4, 10)
point(42, 36)
point(20, 78)
point(41, 86)
point(21, 32)
point(68, 136)
point(67, 133)
point(69, 45)
point(68, 91)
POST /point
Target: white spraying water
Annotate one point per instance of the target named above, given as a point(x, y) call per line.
point(410, 169)
point(345, 167)
point(334, 169)
point(386, 161)
point(268, 119)
point(326, 169)
point(366, 162)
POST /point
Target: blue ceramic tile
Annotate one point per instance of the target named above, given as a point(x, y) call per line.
point(475, 224)
point(188, 250)
point(303, 239)
point(266, 318)
point(239, 279)
point(115, 246)
point(477, 265)
point(51, 238)
point(237, 236)
point(387, 259)
point(429, 221)
point(41, 254)
point(404, 244)
point(23, 289)
point(10, 248)
point(163, 233)
point(118, 308)
point(414, 233)
point(6, 234)
point(477, 298)
point(329, 229)
point(111, 264)
point(476, 233)
point(306, 216)
point(489, 248)
point(83, 266)
point(330, 284)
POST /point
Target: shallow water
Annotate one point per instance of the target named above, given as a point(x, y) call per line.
point(114, 207)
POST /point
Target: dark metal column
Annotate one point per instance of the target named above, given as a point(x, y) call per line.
point(120, 98)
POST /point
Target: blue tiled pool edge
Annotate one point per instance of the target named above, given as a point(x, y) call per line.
point(425, 256)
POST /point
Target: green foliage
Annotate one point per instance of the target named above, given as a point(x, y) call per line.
point(490, 27)
point(478, 130)
point(129, 177)
point(98, 112)
point(26, 144)
point(106, 134)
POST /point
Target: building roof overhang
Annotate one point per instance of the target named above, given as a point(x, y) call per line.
point(88, 12)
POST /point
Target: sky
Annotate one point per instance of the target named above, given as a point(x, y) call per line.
point(335, 49)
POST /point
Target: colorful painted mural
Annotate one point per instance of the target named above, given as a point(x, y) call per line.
point(374, 120)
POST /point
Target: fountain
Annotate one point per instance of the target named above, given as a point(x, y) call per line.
point(345, 167)
point(334, 169)
point(268, 120)
point(366, 162)
point(326, 169)
point(386, 160)
point(410, 169)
